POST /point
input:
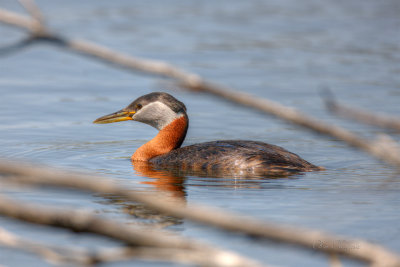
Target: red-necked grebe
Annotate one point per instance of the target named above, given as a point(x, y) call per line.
point(168, 115)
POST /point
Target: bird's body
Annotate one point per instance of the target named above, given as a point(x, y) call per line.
point(250, 157)
point(168, 115)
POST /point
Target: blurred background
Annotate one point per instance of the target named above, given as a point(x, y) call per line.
point(284, 50)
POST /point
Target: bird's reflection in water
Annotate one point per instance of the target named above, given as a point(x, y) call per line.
point(163, 180)
point(139, 213)
point(167, 183)
point(172, 182)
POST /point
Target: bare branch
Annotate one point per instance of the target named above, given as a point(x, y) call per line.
point(49, 253)
point(311, 239)
point(64, 255)
point(153, 67)
point(361, 115)
point(198, 257)
point(80, 221)
point(17, 20)
point(31, 7)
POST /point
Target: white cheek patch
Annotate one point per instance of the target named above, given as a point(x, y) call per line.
point(156, 114)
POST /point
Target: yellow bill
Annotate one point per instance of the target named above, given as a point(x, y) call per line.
point(121, 115)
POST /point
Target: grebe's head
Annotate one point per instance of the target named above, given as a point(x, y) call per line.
point(156, 109)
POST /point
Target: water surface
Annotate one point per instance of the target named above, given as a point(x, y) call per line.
point(282, 50)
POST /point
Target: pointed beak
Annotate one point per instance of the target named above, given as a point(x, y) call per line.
point(121, 115)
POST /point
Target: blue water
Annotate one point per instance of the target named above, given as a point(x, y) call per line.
point(286, 51)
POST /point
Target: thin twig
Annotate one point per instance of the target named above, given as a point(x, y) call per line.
point(153, 67)
point(311, 239)
point(67, 255)
point(379, 120)
point(167, 254)
point(31, 7)
point(81, 221)
point(51, 254)
point(18, 20)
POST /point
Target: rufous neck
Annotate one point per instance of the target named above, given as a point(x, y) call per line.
point(167, 139)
